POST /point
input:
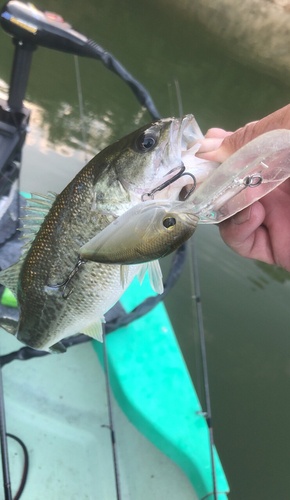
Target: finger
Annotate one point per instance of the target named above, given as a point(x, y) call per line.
point(231, 143)
point(207, 145)
point(245, 234)
point(278, 120)
point(217, 133)
point(219, 155)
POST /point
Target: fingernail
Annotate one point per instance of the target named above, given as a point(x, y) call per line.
point(242, 216)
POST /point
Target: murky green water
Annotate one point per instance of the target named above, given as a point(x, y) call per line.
point(245, 304)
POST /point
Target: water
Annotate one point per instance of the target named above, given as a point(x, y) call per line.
point(245, 304)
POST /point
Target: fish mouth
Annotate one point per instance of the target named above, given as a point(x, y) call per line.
point(176, 169)
point(184, 136)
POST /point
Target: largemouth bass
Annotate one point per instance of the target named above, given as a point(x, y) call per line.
point(57, 295)
point(148, 231)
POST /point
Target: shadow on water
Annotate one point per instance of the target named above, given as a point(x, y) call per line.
point(245, 304)
point(273, 272)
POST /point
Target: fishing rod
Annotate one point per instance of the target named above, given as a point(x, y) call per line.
point(207, 414)
point(111, 418)
point(4, 448)
point(195, 281)
point(111, 425)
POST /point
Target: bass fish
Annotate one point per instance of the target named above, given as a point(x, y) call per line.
point(148, 231)
point(58, 295)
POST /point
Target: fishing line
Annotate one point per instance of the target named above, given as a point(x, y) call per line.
point(179, 100)
point(111, 419)
point(81, 108)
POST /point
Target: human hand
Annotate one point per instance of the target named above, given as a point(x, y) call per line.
point(262, 230)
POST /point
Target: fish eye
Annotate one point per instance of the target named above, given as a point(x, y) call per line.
point(146, 142)
point(169, 222)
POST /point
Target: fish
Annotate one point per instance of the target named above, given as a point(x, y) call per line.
point(58, 294)
point(147, 231)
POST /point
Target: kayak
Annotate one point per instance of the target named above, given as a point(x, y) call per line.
point(57, 406)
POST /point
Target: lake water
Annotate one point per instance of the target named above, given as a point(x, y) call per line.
point(245, 303)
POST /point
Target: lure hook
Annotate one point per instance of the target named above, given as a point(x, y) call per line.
point(181, 173)
point(65, 283)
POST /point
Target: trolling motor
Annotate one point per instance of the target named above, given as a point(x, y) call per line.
point(31, 28)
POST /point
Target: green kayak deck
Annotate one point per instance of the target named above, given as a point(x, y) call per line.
point(57, 406)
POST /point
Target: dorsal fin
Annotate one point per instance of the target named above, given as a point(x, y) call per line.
point(9, 277)
point(37, 208)
point(39, 204)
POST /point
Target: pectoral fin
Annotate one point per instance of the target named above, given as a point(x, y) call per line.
point(124, 273)
point(155, 275)
point(9, 324)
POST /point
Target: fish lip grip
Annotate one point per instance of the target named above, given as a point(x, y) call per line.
point(245, 177)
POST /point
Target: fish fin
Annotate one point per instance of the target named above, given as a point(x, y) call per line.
point(95, 330)
point(24, 250)
point(9, 324)
point(37, 210)
point(141, 273)
point(30, 226)
point(38, 206)
point(42, 199)
point(57, 348)
point(155, 275)
point(124, 273)
point(9, 277)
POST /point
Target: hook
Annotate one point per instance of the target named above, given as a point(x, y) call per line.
point(69, 278)
point(181, 173)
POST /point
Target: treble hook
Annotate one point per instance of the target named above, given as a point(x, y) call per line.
point(181, 173)
point(69, 278)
